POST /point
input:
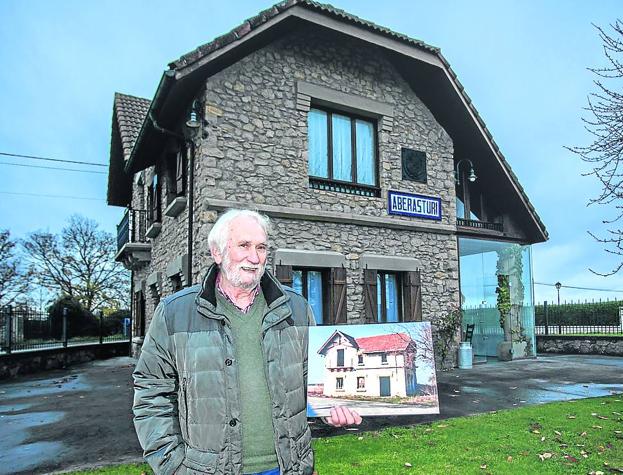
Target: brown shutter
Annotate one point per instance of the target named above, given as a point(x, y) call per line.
point(157, 199)
point(412, 296)
point(337, 296)
point(370, 295)
point(180, 172)
point(284, 274)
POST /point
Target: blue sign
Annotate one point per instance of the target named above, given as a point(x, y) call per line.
point(417, 206)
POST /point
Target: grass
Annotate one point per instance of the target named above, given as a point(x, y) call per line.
point(584, 437)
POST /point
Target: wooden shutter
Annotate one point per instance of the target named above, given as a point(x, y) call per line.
point(284, 274)
point(337, 296)
point(370, 295)
point(412, 296)
point(180, 172)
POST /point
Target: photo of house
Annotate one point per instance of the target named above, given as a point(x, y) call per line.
point(379, 369)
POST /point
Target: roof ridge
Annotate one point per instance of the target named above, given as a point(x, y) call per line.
point(264, 16)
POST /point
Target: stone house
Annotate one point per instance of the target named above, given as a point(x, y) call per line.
point(361, 145)
point(373, 366)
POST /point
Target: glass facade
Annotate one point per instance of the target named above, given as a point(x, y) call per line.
point(497, 297)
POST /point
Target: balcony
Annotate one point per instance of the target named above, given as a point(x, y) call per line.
point(479, 225)
point(133, 250)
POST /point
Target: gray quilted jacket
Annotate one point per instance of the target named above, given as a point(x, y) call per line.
point(186, 394)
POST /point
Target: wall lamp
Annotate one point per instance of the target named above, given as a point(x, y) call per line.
point(193, 119)
point(472, 176)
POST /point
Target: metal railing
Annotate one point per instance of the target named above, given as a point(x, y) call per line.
point(26, 329)
point(472, 223)
point(132, 227)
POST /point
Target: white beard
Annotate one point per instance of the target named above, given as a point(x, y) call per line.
point(236, 275)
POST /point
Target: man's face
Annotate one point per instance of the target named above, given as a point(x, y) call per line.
point(244, 260)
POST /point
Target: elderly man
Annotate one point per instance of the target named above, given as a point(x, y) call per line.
point(220, 383)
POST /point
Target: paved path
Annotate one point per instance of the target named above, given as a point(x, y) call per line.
point(81, 416)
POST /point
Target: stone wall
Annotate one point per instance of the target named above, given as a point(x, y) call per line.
point(19, 364)
point(597, 345)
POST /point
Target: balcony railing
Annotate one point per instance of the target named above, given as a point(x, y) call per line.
point(132, 228)
point(472, 223)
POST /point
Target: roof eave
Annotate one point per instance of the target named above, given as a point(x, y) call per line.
point(166, 83)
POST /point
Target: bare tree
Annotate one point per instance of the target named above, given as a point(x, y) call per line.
point(605, 124)
point(79, 263)
point(14, 281)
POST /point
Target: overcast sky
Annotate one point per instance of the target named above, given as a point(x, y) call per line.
point(523, 63)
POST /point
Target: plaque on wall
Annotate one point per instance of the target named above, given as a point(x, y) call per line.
point(413, 165)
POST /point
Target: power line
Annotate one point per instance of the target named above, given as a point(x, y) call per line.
point(578, 288)
point(51, 196)
point(52, 159)
point(52, 168)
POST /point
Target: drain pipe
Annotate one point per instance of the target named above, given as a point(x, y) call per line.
point(191, 207)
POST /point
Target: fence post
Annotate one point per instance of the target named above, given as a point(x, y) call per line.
point(101, 314)
point(65, 312)
point(545, 312)
point(10, 328)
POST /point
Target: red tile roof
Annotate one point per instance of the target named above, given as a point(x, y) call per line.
point(392, 342)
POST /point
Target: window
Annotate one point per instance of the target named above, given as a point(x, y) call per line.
point(325, 290)
point(392, 296)
point(342, 152)
point(388, 297)
point(311, 284)
point(176, 282)
point(153, 201)
point(383, 358)
point(176, 174)
point(340, 357)
point(339, 383)
point(360, 359)
point(361, 382)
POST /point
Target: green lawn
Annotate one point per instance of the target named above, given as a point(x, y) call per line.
point(583, 437)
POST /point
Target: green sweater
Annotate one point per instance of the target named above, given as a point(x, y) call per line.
point(258, 442)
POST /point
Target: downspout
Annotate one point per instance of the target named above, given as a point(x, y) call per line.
point(191, 192)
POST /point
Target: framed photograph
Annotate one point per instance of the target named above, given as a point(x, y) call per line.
point(377, 369)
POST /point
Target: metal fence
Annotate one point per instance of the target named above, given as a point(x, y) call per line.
point(27, 329)
point(581, 318)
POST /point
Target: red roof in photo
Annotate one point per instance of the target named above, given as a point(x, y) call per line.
point(391, 342)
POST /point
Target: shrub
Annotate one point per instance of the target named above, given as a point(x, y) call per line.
point(593, 313)
point(80, 322)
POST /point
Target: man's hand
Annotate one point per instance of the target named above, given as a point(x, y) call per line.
point(342, 416)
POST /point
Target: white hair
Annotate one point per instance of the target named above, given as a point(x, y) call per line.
point(219, 234)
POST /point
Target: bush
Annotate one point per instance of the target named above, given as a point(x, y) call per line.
point(112, 324)
point(594, 313)
point(80, 322)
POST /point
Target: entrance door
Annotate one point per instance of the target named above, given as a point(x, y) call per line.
point(385, 386)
